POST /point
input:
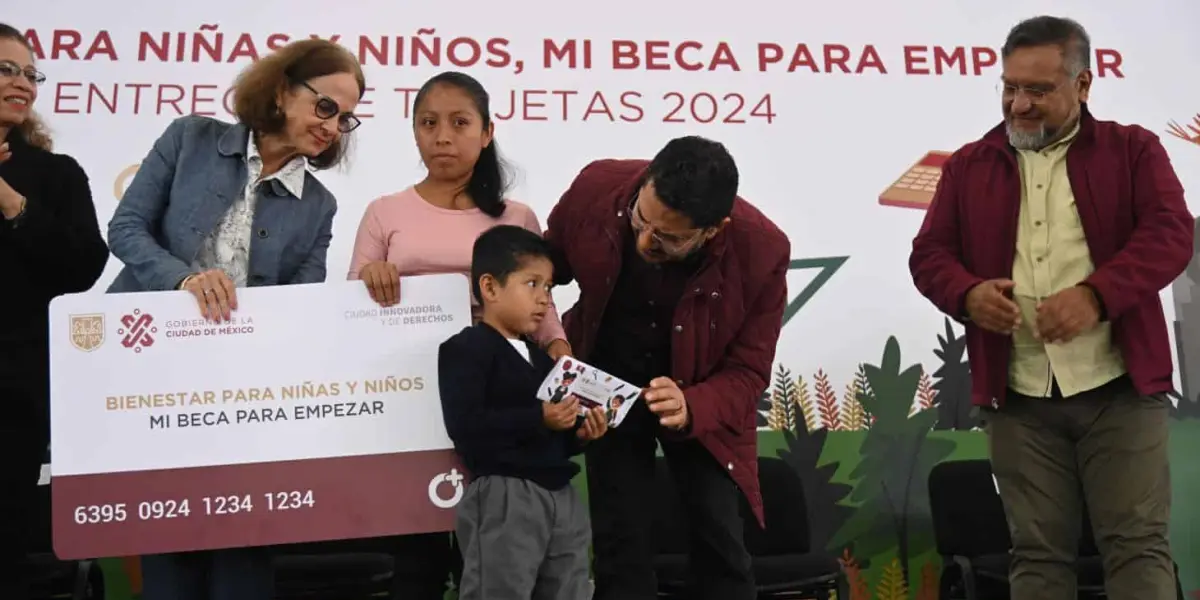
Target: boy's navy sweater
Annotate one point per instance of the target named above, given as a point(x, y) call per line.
point(492, 413)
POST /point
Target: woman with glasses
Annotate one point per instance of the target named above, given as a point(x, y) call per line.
point(430, 228)
point(50, 244)
point(215, 207)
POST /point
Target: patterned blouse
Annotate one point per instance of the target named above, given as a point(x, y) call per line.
point(228, 247)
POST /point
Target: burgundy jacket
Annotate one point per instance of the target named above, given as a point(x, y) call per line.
point(726, 324)
point(1135, 219)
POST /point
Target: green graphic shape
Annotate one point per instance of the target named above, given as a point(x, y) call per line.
point(828, 266)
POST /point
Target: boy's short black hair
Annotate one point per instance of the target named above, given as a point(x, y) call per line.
point(502, 250)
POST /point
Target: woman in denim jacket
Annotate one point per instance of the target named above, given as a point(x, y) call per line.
point(215, 207)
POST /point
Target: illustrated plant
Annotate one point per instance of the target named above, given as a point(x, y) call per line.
point(827, 402)
point(953, 385)
point(928, 589)
point(826, 513)
point(893, 584)
point(926, 395)
point(854, 416)
point(891, 480)
point(859, 589)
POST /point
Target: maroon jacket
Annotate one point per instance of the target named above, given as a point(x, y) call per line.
point(726, 324)
point(1135, 219)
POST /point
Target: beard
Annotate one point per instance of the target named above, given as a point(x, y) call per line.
point(1041, 137)
point(1029, 140)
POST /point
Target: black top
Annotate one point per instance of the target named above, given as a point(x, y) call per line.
point(633, 341)
point(54, 248)
point(492, 412)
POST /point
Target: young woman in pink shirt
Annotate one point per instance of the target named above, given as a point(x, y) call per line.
point(430, 228)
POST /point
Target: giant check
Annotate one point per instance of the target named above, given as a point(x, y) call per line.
point(312, 415)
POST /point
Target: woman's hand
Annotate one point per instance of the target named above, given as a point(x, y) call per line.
point(383, 282)
point(214, 292)
point(558, 349)
point(11, 203)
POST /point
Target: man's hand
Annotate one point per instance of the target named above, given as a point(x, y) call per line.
point(383, 282)
point(665, 399)
point(990, 307)
point(594, 425)
point(561, 416)
point(558, 349)
point(1065, 315)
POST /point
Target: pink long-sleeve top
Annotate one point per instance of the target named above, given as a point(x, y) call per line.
point(422, 239)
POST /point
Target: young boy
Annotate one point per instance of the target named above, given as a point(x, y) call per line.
point(523, 530)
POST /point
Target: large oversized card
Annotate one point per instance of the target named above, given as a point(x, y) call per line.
point(312, 415)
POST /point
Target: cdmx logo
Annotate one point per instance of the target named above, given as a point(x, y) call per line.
point(1189, 132)
point(455, 479)
point(137, 330)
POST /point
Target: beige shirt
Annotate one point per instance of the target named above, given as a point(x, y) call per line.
point(1052, 255)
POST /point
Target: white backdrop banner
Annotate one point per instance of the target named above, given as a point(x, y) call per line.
point(837, 113)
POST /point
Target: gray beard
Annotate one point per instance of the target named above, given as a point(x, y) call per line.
point(1029, 140)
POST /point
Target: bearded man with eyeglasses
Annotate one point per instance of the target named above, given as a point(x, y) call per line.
point(1050, 239)
point(682, 291)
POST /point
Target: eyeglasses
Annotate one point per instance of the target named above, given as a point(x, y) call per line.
point(1036, 94)
point(673, 244)
point(11, 69)
point(327, 108)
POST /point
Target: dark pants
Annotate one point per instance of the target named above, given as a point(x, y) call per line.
point(1106, 449)
point(620, 471)
point(424, 563)
point(235, 574)
point(24, 434)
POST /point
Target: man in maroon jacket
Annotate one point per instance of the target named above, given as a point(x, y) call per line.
point(682, 290)
point(1051, 238)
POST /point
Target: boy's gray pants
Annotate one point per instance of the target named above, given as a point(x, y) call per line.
point(521, 541)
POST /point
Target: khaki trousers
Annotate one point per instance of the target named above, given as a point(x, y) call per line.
point(1105, 449)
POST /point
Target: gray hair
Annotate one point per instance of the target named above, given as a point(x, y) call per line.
point(1065, 33)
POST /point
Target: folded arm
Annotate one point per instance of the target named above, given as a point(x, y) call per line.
point(59, 235)
point(1160, 247)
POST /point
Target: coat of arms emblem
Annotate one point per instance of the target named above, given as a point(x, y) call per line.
point(87, 331)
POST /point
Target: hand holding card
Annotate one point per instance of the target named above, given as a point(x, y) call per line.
point(592, 388)
point(561, 416)
point(594, 425)
point(665, 400)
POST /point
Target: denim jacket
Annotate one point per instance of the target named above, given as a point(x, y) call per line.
point(186, 184)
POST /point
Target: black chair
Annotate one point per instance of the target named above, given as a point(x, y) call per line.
point(341, 570)
point(54, 578)
point(971, 534)
point(785, 567)
point(331, 571)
